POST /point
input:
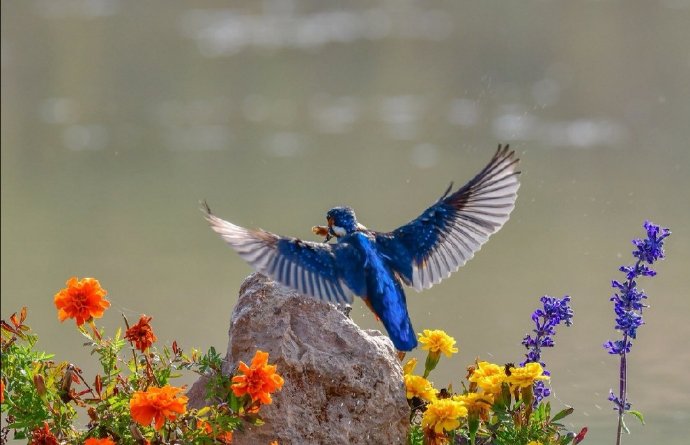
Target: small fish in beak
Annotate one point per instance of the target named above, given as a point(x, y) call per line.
point(323, 231)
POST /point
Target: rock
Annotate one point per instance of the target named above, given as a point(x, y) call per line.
point(343, 385)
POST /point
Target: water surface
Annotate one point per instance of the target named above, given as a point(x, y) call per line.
point(118, 116)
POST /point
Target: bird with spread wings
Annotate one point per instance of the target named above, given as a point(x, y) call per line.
point(375, 265)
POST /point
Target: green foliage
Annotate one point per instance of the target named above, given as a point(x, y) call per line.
point(415, 436)
point(638, 415)
point(39, 392)
point(28, 374)
point(538, 427)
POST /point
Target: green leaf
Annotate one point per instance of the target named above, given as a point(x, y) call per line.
point(565, 440)
point(235, 402)
point(473, 426)
point(541, 414)
point(415, 436)
point(430, 363)
point(637, 414)
point(566, 412)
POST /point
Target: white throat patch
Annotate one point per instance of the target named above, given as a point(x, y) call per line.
point(339, 231)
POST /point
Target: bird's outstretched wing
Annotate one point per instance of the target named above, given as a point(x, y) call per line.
point(305, 266)
point(444, 237)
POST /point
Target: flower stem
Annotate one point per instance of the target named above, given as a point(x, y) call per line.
point(622, 389)
point(623, 373)
point(134, 351)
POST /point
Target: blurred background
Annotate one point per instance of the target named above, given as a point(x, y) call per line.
point(119, 116)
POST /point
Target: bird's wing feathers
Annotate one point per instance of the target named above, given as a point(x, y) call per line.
point(306, 266)
point(448, 233)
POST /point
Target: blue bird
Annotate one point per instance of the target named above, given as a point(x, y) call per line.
point(375, 265)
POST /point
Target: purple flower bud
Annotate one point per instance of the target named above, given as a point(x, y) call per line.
point(618, 405)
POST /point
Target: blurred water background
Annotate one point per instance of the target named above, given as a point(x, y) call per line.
point(119, 116)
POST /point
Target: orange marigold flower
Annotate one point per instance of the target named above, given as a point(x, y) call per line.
point(224, 437)
point(204, 426)
point(157, 404)
point(141, 334)
point(43, 436)
point(82, 300)
point(259, 379)
point(94, 441)
point(2, 391)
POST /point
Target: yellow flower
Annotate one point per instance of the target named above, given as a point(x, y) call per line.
point(419, 387)
point(476, 404)
point(489, 377)
point(534, 442)
point(443, 414)
point(525, 377)
point(437, 342)
point(409, 366)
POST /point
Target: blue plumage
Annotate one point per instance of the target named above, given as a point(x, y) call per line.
point(384, 293)
point(374, 265)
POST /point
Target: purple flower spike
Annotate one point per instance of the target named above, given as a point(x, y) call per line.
point(628, 299)
point(554, 311)
point(651, 248)
point(628, 305)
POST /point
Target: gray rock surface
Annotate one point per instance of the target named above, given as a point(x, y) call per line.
point(343, 385)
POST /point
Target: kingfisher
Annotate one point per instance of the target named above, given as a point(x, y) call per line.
point(375, 265)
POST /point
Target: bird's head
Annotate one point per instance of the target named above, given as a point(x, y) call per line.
point(341, 221)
